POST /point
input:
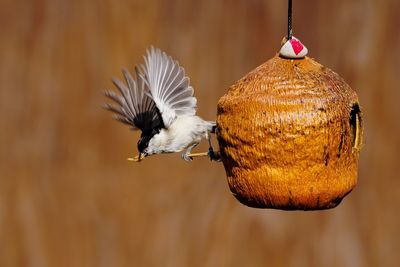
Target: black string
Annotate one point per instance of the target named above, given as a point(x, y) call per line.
point(289, 35)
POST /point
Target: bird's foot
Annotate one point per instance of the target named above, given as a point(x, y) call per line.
point(214, 156)
point(186, 156)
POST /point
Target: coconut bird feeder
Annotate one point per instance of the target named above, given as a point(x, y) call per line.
point(290, 133)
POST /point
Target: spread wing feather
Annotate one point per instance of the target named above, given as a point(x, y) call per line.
point(135, 106)
point(168, 85)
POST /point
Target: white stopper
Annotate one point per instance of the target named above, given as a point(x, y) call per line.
point(293, 48)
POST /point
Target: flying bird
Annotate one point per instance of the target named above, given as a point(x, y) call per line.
point(161, 104)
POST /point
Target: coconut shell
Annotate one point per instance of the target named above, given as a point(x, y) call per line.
point(290, 133)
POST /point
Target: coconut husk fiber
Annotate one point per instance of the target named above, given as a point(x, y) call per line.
point(290, 134)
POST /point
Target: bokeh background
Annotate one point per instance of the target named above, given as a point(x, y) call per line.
point(68, 197)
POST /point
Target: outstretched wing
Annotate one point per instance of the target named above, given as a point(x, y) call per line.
point(168, 85)
point(134, 106)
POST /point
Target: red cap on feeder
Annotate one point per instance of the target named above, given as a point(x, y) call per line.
point(293, 48)
point(290, 133)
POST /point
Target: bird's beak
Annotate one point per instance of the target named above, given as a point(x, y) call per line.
point(142, 155)
point(138, 157)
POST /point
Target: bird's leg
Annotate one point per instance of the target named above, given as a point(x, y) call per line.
point(186, 155)
point(211, 154)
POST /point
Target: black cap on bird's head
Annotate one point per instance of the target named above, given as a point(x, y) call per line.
point(144, 140)
point(142, 144)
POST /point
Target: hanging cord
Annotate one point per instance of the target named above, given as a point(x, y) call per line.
point(291, 47)
point(290, 33)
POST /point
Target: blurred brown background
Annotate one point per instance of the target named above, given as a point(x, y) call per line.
point(68, 197)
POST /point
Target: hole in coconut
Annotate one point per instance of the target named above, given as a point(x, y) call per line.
point(355, 126)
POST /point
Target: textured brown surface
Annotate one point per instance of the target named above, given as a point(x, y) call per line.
point(290, 133)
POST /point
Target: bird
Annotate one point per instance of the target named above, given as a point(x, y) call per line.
point(161, 104)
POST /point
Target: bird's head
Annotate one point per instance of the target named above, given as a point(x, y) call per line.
point(143, 145)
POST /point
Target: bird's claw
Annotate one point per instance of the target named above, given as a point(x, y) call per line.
point(186, 157)
point(214, 156)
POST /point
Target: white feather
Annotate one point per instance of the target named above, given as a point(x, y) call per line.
point(186, 131)
point(169, 86)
